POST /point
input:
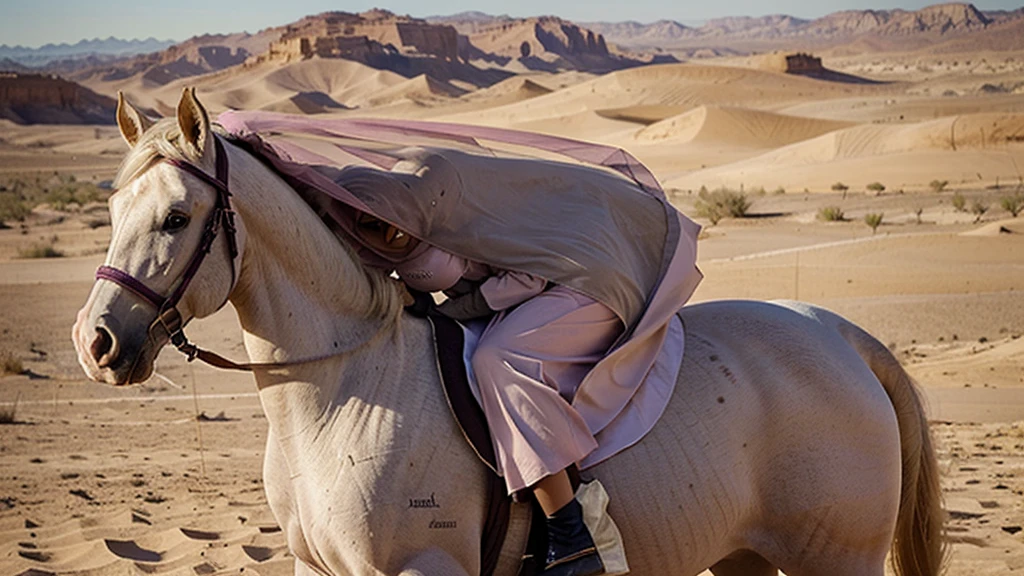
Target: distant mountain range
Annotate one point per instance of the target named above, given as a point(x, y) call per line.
point(936, 22)
point(36, 57)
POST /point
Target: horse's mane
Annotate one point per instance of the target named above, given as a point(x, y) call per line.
point(164, 140)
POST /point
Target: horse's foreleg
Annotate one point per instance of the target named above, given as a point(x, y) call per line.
point(433, 562)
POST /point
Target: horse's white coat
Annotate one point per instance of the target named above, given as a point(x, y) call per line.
point(780, 448)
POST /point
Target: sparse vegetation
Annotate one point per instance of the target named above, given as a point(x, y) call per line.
point(918, 210)
point(40, 251)
point(9, 413)
point(20, 194)
point(779, 190)
point(1013, 204)
point(721, 203)
point(840, 187)
point(10, 364)
point(876, 187)
point(874, 220)
point(831, 214)
point(938, 185)
point(959, 202)
point(978, 208)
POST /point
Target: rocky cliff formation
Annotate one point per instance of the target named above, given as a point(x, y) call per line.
point(354, 36)
point(42, 99)
point(545, 42)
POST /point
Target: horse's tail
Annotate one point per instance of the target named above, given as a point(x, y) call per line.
point(918, 547)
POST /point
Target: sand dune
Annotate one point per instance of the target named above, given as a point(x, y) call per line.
point(422, 90)
point(973, 149)
point(671, 89)
point(709, 125)
point(315, 84)
point(998, 228)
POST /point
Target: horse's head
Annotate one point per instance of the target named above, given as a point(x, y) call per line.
point(161, 215)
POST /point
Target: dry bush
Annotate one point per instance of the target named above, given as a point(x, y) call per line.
point(874, 220)
point(876, 187)
point(1013, 204)
point(840, 187)
point(978, 208)
point(721, 203)
point(40, 251)
point(9, 413)
point(938, 185)
point(10, 364)
point(959, 202)
point(831, 214)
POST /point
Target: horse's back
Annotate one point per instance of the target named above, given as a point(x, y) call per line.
point(778, 435)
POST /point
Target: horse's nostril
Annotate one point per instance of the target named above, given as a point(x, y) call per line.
point(102, 346)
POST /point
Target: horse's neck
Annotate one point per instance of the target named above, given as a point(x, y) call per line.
point(300, 295)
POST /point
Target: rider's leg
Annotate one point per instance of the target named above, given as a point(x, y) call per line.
point(553, 492)
point(529, 361)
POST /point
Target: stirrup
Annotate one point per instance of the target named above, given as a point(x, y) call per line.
point(586, 562)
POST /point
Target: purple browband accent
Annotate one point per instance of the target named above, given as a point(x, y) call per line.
point(192, 169)
point(125, 280)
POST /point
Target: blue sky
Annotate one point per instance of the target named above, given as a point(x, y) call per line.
point(38, 22)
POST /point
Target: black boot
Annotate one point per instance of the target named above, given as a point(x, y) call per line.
point(571, 550)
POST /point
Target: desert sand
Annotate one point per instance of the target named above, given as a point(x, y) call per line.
point(165, 477)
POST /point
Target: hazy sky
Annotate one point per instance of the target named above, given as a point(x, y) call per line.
point(38, 22)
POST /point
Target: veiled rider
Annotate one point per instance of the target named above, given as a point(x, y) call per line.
point(544, 337)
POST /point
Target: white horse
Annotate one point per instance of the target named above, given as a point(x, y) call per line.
point(794, 439)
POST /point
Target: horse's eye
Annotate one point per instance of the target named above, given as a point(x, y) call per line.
point(175, 221)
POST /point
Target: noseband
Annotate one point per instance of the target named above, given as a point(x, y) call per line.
point(168, 318)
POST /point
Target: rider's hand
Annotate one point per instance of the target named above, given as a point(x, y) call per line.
point(466, 307)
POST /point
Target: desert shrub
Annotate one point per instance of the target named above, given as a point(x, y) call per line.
point(721, 203)
point(918, 210)
point(9, 414)
point(94, 223)
point(959, 202)
point(876, 187)
point(978, 208)
point(1013, 204)
point(12, 208)
point(779, 190)
point(10, 364)
point(40, 251)
point(831, 214)
point(713, 213)
point(840, 187)
point(938, 185)
point(874, 220)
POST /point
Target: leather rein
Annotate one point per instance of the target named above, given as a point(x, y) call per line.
point(168, 318)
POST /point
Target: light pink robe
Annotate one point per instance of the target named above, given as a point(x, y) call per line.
point(529, 362)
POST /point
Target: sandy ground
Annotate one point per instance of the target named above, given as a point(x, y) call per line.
point(96, 480)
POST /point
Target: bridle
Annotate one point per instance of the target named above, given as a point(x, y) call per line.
point(168, 317)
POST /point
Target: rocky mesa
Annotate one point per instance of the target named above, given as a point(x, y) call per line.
point(44, 99)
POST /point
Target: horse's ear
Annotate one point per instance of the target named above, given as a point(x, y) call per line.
point(133, 124)
point(193, 121)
